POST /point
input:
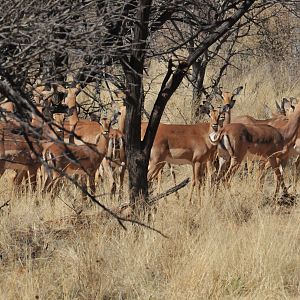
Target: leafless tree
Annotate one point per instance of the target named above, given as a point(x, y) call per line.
point(97, 40)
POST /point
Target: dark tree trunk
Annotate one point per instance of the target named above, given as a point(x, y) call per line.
point(198, 75)
point(137, 161)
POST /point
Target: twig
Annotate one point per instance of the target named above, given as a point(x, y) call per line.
point(5, 204)
point(170, 191)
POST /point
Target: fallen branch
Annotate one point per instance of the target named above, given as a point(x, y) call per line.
point(170, 191)
point(5, 204)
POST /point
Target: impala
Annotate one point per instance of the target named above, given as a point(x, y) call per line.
point(80, 131)
point(278, 120)
point(188, 144)
point(77, 160)
point(183, 144)
point(20, 152)
point(19, 143)
point(114, 163)
point(262, 140)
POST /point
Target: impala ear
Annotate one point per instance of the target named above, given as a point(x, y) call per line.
point(237, 91)
point(231, 104)
point(278, 108)
point(114, 118)
point(294, 101)
point(286, 105)
point(203, 110)
point(104, 123)
point(225, 108)
point(205, 107)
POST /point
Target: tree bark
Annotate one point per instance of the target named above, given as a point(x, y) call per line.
point(198, 75)
point(137, 162)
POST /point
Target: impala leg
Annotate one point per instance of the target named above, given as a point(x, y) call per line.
point(196, 179)
point(198, 168)
point(159, 177)
point(174, 179)
point(33, 179)
point(234, 166)
point(278, 177)
point(47, 184)
point(30, 175)
point(262, 167)
point(154, 170)
point(222, 167)
point(100, 174)
point(110, 174)
point(297, 162)
point(210, 171)
point(51, 182)
point(20, 175)
point(92, 184)
point(83, 182)
point(121, 176)
point(112, 182)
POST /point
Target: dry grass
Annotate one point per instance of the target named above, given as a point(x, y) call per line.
point(226, 244)
point(230, 243)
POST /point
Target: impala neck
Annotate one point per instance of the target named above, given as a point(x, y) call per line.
point(71, 103)
point(122, 119)
point(37, 121)
point(227, 119)
point(226, 101)
point(102, 143)
point(291, 128)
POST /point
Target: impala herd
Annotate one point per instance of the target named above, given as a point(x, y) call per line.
point(57, 143)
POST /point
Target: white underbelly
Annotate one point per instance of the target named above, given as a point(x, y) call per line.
point(179, 156)
point(178, 161)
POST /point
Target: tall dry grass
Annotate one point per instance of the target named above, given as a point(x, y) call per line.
point(229, 243)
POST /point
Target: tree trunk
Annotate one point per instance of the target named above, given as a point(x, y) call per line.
point(198, 75)
point(137, 162)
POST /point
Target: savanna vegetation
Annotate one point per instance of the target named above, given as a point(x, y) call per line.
point(162, 59)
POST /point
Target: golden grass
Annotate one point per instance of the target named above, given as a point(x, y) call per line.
point(227, 243)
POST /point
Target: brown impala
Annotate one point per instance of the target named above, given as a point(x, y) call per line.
point(188, 144)
point(262, 140)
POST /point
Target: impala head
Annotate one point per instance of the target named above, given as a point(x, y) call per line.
point(7, 106)
point(108, 123)
point(286, 106)
point(216, 115)
point(115, 149)
point(228, 98)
